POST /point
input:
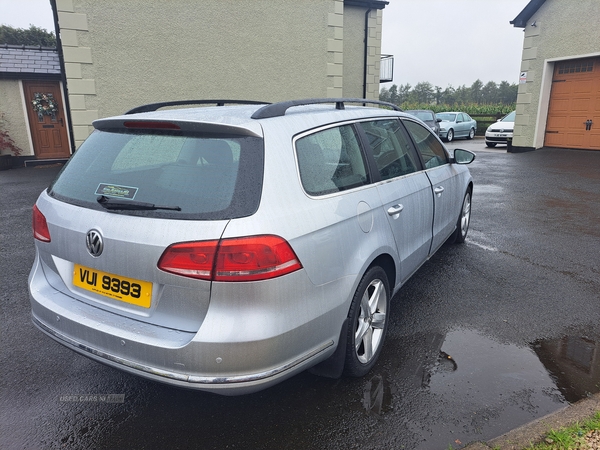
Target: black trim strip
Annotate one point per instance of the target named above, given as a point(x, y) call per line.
point(279, 109)
point(154, 106)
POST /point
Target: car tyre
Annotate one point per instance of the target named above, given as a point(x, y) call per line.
point(450, 135)
point(490, 144)
point(471, 133)
point(368, 322)
point(464, 220)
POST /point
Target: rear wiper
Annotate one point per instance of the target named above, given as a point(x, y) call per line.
point(111, 203)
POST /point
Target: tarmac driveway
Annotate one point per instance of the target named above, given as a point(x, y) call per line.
point(485, 337)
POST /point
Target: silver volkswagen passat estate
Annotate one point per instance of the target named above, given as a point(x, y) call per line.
point(225, 248)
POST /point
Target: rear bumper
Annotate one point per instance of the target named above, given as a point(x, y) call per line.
point(226, 385)
point(245, 344)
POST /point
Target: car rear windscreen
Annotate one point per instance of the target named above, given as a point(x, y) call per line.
point(184, 176)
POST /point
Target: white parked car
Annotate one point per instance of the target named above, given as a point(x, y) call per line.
point(501, 131)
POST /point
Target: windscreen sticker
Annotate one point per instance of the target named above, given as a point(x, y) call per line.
point(112, 190)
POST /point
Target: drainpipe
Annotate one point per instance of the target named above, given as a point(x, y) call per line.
point(366, 56)
point(63, 71)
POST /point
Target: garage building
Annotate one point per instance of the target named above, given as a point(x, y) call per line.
point(558, 102)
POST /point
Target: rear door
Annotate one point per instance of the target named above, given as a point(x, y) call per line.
point(445, 184)
point(462, 126)
point(404, 189)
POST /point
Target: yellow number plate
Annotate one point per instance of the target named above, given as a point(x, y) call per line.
point(127, 290)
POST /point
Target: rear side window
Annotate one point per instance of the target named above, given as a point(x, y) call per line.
point(431, 149)
point(331, 161)
point(391, 148)
point(207, 177)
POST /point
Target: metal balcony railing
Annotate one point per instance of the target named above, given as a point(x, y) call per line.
point(386, 68)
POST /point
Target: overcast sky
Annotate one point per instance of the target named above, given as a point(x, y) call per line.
point(453, 42)
point(444, 42)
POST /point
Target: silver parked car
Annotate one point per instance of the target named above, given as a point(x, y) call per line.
point(455, 125)
point(428, 117)
point(227, 248)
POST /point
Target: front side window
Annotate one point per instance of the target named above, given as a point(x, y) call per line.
point(431, 149)
point(423, 115)
point(391, 148)
point(331, 161)
point(446, 116)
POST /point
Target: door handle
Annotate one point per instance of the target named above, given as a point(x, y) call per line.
point(588, 124)
point(394, 210)
point(438, 191)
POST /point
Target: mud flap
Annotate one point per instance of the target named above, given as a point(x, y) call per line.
point(333, 366)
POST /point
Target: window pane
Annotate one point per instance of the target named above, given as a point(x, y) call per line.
point(391, 148)
point(208, 177)
point(330, 161)
point(431, 149)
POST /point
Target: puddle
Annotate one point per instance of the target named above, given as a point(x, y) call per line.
point(469, 387)
point(487, 387)
point(480, 364)
point(574, 364)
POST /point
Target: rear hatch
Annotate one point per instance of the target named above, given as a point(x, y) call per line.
point(130, 191)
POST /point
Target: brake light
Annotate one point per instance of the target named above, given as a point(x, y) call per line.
point(239, 259)
point(40, 227)
point(147, 125)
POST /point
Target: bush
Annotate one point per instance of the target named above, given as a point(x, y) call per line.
point(6, 142)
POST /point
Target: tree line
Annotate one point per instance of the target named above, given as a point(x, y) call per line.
point(34, 36)
point(425, 93)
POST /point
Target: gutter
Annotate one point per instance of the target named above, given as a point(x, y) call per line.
point(366, 52)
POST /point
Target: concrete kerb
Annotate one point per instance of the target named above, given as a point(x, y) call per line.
point(533, 432)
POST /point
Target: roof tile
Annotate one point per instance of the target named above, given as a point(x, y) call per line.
point(28, 59)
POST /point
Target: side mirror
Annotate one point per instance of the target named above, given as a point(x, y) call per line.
point(462, 156)
point(438, 120)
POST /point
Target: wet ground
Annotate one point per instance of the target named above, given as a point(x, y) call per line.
point(485, 337)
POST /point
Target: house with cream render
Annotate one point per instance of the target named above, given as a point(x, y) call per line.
point(558, 101)
point(118, 55)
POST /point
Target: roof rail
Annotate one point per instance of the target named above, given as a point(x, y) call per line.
point(279, 109)
point(154, 106)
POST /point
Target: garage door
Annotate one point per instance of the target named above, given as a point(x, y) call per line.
point(574, 112)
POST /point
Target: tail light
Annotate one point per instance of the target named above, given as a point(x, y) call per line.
point(239, 259)
point(40, 227)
